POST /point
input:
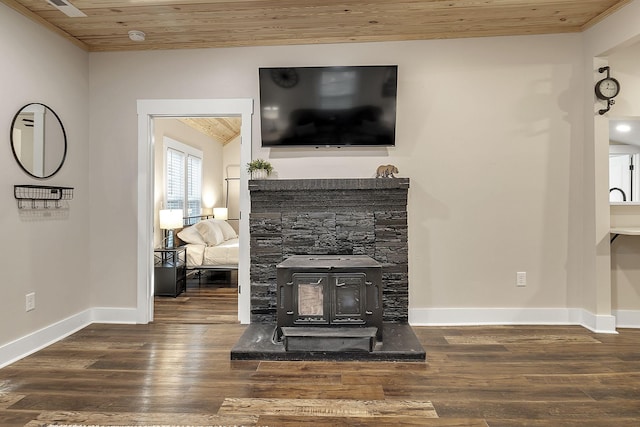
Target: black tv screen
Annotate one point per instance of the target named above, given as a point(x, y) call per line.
point(328, 106)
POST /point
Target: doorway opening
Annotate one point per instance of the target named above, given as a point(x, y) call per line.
point(148, 111)
point(196, 175)
point(624, 160)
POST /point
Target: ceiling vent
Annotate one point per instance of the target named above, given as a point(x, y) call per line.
point(67, 8)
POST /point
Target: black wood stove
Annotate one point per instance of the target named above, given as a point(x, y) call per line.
point(329, 302)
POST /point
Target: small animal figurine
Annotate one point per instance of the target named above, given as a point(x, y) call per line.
point(386, 171)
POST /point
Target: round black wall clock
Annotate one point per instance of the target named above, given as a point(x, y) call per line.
point(607, 89)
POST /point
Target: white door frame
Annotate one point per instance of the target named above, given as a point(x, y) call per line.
point(147, 110)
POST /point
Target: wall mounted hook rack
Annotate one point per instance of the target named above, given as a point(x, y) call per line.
point(41, 196)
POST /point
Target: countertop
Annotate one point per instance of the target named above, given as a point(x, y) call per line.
point(630, 231)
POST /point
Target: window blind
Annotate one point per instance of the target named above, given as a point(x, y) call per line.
point(194, 185)
point(183, 178)
point(175, 179)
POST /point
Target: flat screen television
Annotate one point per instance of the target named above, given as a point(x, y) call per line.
point(328, 106)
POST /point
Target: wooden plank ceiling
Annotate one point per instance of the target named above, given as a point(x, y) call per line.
point(182, 24)
point(222, 129)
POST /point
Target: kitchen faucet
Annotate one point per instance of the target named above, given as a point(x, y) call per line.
point(624, 196)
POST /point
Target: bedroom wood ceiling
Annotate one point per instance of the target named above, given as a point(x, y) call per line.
point(223, 129)
point(184, 24)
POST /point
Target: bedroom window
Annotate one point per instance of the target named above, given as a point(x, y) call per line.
point(194, 185)
point(183, 178)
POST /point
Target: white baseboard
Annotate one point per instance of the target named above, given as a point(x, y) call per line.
point(114, 315)
point(601, 324)
point(627, 318)
point(511, 316)
point(24, 346)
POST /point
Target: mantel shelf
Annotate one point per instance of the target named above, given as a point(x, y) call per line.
point(328, 184)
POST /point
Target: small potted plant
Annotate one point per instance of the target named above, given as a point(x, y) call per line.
point(259, 169)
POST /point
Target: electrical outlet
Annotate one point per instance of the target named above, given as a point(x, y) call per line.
point(521, 278)
point(30, 301)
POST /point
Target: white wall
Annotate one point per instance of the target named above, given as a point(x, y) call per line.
point(487, 131)
point(45, 254)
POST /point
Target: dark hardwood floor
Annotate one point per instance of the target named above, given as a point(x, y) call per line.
point(213, 299)
point(174, 372)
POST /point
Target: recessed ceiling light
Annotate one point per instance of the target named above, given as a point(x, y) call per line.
point(623, 128)
point(137, 36)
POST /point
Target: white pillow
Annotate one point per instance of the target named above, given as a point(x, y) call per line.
point(210, 232)
point(227, 230)
point(191, 235)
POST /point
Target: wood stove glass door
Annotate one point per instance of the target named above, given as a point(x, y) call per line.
point(349, 298)
point(312, 298)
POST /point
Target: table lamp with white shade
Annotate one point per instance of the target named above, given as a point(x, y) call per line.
point(221, 213)
point(170, 219)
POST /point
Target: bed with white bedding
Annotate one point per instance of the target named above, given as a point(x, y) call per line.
point(223, 255)
point(212, 244)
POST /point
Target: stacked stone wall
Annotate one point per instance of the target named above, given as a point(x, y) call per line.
point(329, 217)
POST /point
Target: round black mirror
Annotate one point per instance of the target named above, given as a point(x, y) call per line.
point(38, 140)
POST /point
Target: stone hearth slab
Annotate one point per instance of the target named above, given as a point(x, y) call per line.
point(399, 344)
point(339, 339)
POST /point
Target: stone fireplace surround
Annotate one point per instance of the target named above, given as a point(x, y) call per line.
point(362, 216)
point(366, 216)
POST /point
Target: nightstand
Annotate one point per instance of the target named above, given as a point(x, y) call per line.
point(170, 271)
